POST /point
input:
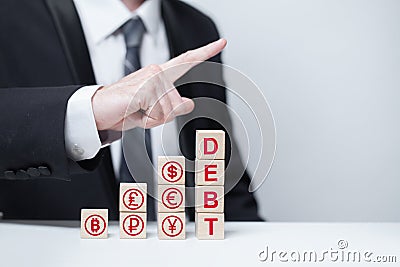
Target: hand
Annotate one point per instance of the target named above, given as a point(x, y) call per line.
point(147, 98)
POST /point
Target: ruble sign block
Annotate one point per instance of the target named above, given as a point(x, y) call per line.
point(94, 223)
point(132, 225)
point(210, 226)
point(133, 197)
point(209, 199)
point(171, 198)
point(210, 172)
point(171, 226)
point(171, 170)
point(210, 144)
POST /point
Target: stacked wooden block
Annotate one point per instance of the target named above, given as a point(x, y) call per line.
point(94, 223)
point(132, 208)
point(171, 197)
point(209, 179)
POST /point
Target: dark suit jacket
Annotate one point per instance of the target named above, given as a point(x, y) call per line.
point(43, 60)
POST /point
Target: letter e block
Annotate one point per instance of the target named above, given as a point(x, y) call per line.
point(209, 225)
point(209, 199)
point(133, 197)
point(171, 226)
point(171, 170)
point(132, 225)
point(94, 223)
point(210, 144)
point(210, 172)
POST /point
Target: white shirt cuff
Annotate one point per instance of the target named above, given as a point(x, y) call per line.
point(82, 139)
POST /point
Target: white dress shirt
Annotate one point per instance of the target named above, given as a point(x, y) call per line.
point(101, 20)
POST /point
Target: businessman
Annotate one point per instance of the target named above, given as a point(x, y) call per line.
point(70, 69)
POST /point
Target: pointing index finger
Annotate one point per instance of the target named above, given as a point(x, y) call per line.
point(181, 64)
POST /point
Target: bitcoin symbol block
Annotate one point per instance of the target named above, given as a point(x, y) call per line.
point(171, 170)
point(94, 223)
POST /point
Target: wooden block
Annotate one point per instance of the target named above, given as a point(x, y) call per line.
point(210, 144)
point(171, 170)
point(209, 199)
point(171, 198)
point(94, 223)
point(210, 172)
point(210, 226)
point(171, 226)
point(133, 197)
point(132, 225)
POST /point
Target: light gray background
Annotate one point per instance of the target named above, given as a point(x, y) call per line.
point(331, 73)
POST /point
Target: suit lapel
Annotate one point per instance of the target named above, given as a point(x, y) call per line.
point(67, 23)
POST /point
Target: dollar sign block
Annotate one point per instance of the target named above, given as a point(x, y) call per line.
point(171, 170)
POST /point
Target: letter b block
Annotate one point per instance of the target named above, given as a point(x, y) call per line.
point(210, 144)
point(209, 199)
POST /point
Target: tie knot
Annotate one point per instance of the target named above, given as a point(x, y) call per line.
point(133, 31)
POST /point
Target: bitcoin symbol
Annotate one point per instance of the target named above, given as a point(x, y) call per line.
point(94, 225)
point(172, 171)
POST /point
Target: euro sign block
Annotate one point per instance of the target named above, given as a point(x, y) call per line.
point(171, 198)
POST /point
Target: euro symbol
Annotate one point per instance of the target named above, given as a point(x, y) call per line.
point(171, 197)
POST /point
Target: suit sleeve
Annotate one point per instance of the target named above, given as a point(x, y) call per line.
point(32, 141)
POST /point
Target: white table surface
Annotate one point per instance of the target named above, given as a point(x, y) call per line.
point(59, 244)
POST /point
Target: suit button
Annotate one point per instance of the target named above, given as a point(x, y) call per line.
point(77, 150)
point(21, 174)
point(9, 174)
point(44, 170)
point(33, 172)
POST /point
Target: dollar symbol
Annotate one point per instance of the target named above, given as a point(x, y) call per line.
point(172, 171)
point(94, 225)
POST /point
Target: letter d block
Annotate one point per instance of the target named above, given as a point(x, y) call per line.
point(209, 199)
point(210, 172)
point(209, 225)
point(210, 144)
point(94, 223)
